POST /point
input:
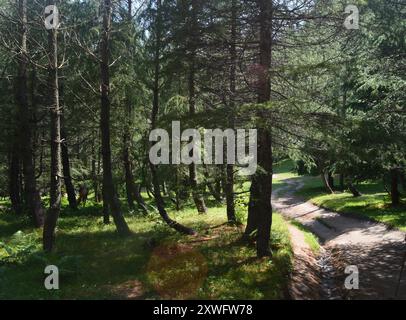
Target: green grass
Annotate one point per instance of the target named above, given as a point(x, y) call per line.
point(95, 263)
point(310, 238)
point(374, 203)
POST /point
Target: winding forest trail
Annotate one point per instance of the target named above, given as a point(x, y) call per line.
point(377, 251)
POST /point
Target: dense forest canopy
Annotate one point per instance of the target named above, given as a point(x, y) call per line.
point(321, 81)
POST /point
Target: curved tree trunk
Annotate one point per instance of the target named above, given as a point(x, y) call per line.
point(109, 189)
point(326, 182)
point(353, 190)
point(155, 110)
point(193, 179)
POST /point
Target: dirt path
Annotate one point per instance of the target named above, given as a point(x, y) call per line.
point(375, 250)
point(305, 278)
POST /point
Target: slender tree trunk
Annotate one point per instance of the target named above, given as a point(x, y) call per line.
point(155, 110)
point(395, 194)
point(193, 178)
point(70, 189)
point(106, 208)
point(109, 189)
point(31, 194)
point(252, 219)
point(129, 178)
point(229, 185)
point(14, 179)
point(353, 190)
point(94, 173)
point(56, 166)
point(331, 180)
point(139, 199)
point(326, 181)
point(260, 198)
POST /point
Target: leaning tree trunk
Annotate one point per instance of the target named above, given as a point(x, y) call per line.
point(326, 182)
point(109, 190)
point(260, 198)
point(193, 179)
point(56, 152)
point(31, 194)
point(155, 110)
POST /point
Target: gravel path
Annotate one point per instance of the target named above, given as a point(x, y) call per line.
point(376, 251)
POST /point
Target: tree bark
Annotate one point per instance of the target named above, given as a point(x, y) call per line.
point(109, 189)
point(14, 178)
point(353, 190)
point(155, 110)
point(70, 189)
point(56, 172)
point(260, 198)
point(193, 178)
point(129, 178)
point(31, 194)
point(326, 182)
point(229, 185)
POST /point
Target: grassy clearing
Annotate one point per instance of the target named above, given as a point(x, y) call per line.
point(373, 204)
point(153, 263)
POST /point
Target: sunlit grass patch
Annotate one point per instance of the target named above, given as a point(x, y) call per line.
point(373, 204)
point(96, 263)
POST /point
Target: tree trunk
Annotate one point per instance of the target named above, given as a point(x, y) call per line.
point(106, 209)
point(70, 189)
point(139, 199)
point(129, 179)
point(56, 172)
point(31, 194)
point(14, 179)
point(324, 177)
point(109, 190)
point(395, 194)
point(95, 173)
point(252, 219)
point(193, 179)
point(229, 185)
point(261, 189)
point(331, 180)
point(353, 190)
point(155, 110)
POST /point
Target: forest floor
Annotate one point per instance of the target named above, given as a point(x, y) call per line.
point(346, 240)
point(154, 263)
